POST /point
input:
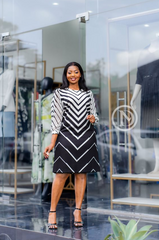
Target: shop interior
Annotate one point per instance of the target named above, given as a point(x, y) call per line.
point(133, 156)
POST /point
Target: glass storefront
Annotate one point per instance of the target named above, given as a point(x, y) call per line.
point(126, 52)
point(118, 49)
point(18, 84)
point(25, 131)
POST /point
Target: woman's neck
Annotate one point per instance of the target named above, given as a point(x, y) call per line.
point(74, 87)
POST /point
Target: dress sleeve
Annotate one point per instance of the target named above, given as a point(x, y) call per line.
point(139, 77)
point(93, 108)
point(56, 113)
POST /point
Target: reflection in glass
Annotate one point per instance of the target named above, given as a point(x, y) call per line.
point(136, 61)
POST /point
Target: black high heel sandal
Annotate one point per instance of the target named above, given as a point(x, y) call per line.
point(78, 224)
point(52, 226)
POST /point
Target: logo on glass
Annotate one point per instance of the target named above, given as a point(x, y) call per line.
point(124, 118)
point(4, 236)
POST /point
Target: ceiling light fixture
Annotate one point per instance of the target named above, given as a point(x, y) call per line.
point(146, 25)
point(55, 4)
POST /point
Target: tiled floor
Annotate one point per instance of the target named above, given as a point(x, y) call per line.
point(32, 216)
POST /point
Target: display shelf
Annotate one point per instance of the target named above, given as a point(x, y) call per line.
point(11, 202)
point(19, 184)
point(12, 171)
point(11, 190)
point(25, 167)
point(130, 176)
point(148, 202)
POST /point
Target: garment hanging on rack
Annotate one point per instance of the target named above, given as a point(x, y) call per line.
point(7, 80)
point(42, 168)
point(8, 119)
point(25, 88)
point(7, 116)
point(148, 78)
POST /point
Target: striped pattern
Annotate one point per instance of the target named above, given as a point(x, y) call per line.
point(75, 149)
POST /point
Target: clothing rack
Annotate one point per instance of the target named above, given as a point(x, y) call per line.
point(6, 47)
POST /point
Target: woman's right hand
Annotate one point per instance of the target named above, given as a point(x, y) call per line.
point(48, 150)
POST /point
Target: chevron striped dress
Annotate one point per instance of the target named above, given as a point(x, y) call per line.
point(75, 148)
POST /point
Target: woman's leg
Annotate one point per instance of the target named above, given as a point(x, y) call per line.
point(80, 186)
point(57, 188)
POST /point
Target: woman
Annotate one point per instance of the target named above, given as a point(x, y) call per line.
point(73, 114)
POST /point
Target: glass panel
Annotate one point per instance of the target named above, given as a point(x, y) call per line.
point(100, 6)
point(7, 114)
point(55, 52)
point(1, 16)
point(1, 99)
point(96, 49)
point(8, 11)
point(16, 13)
point(31, 136)
point(137, 56)
point(62, 44)
point(126, 43)
point(19, 83)
point(3, 152)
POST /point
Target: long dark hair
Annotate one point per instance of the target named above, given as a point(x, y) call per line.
point(82, 81)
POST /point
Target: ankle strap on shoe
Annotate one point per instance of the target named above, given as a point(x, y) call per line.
point(78, 209)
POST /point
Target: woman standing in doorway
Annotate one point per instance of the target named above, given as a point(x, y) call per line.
point(73, 114)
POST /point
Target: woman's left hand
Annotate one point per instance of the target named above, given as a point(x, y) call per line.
point(91, 118)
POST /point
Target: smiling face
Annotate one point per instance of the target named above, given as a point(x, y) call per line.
point(73, 75)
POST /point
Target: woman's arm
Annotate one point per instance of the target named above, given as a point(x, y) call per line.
point(56, 120)
point(51, 146)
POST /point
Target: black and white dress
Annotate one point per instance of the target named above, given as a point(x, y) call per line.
point(75, 148)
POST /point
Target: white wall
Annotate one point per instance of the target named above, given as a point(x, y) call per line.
point(63, 43)
point(57, 45)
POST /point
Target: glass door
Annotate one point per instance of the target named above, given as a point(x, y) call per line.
point(62, 43)
point(136, 63)
point(32, 57)
point(127, 135)
point(19, 84)
point(7, 118)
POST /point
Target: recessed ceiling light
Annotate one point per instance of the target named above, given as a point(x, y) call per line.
point(146, 25)
point(55, 4)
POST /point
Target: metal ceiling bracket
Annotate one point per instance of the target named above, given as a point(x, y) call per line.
point(83, 17)
point(5, 35)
